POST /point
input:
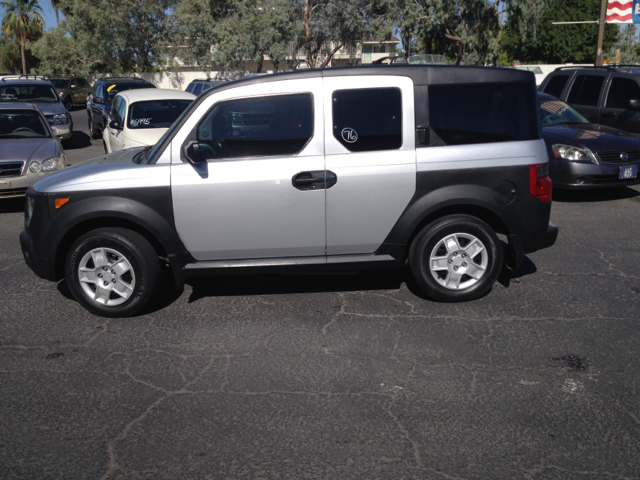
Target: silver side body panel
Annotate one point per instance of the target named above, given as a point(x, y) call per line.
point(248, 208)
point(373, 188)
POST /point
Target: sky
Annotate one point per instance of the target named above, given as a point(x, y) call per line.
point(47, 13)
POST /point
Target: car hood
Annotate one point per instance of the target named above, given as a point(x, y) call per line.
point(145, 136)
point(27, 149)
point(595, 137)
point(92, 170)
point(51, 108)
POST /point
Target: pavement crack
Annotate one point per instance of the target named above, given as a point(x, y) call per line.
point(414, 445)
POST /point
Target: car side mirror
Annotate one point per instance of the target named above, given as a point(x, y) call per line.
point(115, 125)
point(634, 104)
point(73, 85)
point(192, 152)
point(98, 100)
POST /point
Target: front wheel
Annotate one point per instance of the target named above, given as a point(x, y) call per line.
point(92, 130)
point(112, 272)
point(456, 258)
point(68, 103)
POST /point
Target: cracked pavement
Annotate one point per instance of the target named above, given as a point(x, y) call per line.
point(350, 376)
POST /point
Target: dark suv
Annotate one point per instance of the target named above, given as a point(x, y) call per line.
point(100, 99)
point(606, 95)
point(201, 85)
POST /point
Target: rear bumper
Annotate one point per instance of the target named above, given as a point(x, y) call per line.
point(550, 237)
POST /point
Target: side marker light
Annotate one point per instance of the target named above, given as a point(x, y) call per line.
point(59, 202)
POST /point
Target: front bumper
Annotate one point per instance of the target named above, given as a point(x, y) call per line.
point(17, 186)
point(579, 176)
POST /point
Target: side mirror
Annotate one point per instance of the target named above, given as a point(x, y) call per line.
point(98, 100)
point(73, 85)
point(115, 125)
point(192, 152)
point(634, 104)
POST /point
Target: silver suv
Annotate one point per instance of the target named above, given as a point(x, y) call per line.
point(314, 170)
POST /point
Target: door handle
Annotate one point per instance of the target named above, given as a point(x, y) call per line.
point(309, 180)
point(608, 114)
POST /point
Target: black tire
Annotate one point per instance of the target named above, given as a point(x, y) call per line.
point(485, 265)
point(92, 132)
point(142, 276)
point(104, 145)
point(68, 103)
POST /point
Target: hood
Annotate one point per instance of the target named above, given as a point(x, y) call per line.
point(27, 149)
point(145, 136)
point(51, 108)
point(595, 137)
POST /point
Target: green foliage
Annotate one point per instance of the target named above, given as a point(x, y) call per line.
point(23, 21)
point(627, 48)
point(558, 43)
point(60, 55)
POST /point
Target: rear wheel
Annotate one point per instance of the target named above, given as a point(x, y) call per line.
point(456, 258)
point(112, 272)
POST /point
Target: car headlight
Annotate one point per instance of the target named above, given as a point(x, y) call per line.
point(35, 167)
point(61, 93)
point(59, 119)
point(51, 164)
point(573, 154)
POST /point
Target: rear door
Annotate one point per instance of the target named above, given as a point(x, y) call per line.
point(370, 151)
point(616, 112)
point(261, 191)
point(585, 94)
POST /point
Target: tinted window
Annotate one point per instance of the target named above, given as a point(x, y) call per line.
point(59, 82)
point(82, 82)
point(586, 90)
point(190, 87)
point(122, 110)
point(621, 91)
point(482, 113)
point(22, 124)
point(31, 93)
point(155, 113)
point(206, 87)
point(113, 115)
point(556, 85)
point(114, 89)
point(277, 125)
point(197, 89)
point(368, 119)
point(555, 112)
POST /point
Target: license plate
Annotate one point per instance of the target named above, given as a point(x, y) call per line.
point(627, 173)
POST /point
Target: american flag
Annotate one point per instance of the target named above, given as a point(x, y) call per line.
point(552, 107)
point(620, 11)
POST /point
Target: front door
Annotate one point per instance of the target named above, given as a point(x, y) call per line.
point(370, 148)
point(115, 136)
point(585, 94)
point(260, 193)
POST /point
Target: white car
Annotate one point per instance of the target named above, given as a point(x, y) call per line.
point(140, 117)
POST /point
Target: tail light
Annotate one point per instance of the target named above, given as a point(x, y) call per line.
point(540, 185)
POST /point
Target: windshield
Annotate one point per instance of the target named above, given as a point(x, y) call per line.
point(555, 112)
point(59, 82)
point(113, 90)
point(22, 124)
point(155, 113)
point(43, 93)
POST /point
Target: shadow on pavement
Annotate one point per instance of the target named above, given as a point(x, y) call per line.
point(597, 195)
point(508, 276)
point(12, 205)
point(79, 140)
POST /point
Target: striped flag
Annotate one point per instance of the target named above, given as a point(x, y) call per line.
point(621, 11)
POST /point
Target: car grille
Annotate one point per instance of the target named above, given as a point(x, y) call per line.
point(11, 169)
point(12, 192)
point(614, 156)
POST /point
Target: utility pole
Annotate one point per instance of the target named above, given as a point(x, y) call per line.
point(602, 21)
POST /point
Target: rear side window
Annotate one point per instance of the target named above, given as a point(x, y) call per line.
point(586, 90)
point(368, 119)
point(556, 85)
point(190, 87)
point(254, 127)
point(621, 91)
point(197, 89)
point(482, 113)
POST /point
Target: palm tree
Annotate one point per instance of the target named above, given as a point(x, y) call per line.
point(22, 19)
point(56, 8)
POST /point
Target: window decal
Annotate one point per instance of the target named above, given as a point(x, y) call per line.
point(135, 122)
point(349, 135)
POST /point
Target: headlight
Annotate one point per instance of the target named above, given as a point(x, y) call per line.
point(35, 167)
point(573, 154)
point(59, 119)
point(61, 93)
point(51, 164)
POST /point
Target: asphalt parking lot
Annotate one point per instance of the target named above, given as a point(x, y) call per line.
point(350, 376)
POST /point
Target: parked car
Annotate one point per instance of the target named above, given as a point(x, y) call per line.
point(583, 154)
point(101, 98)
point(604, 95)
point(29, 149)
point(428, 59)
point(140, 117)
point(310, 170)
point(72, 91)
point(202, 85)
point(36, 90)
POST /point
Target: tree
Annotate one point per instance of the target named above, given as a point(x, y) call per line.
point(404, 18)
point(627, 48)
point(23, 20)
point(558, 43)
point(253, 30)
point(56, 8)
point(59, 55)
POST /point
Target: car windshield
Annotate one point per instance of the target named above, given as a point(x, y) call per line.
point(22, 124)
point(59, 82)
point(113, 90)
point(155, 113)
point(555, 112)
point(43, 93)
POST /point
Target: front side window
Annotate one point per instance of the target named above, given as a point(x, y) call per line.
point(556, 85)
point(22, 124)
point(113, 115)
point(82, 82)
point(253, 127)
point(586, 90)
point(621, 91)
point(155, 113)
point(482, 113)
point(122, 110)
point(59, 82)
point(29, 93)
point(190, 87)
point(368, 119)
